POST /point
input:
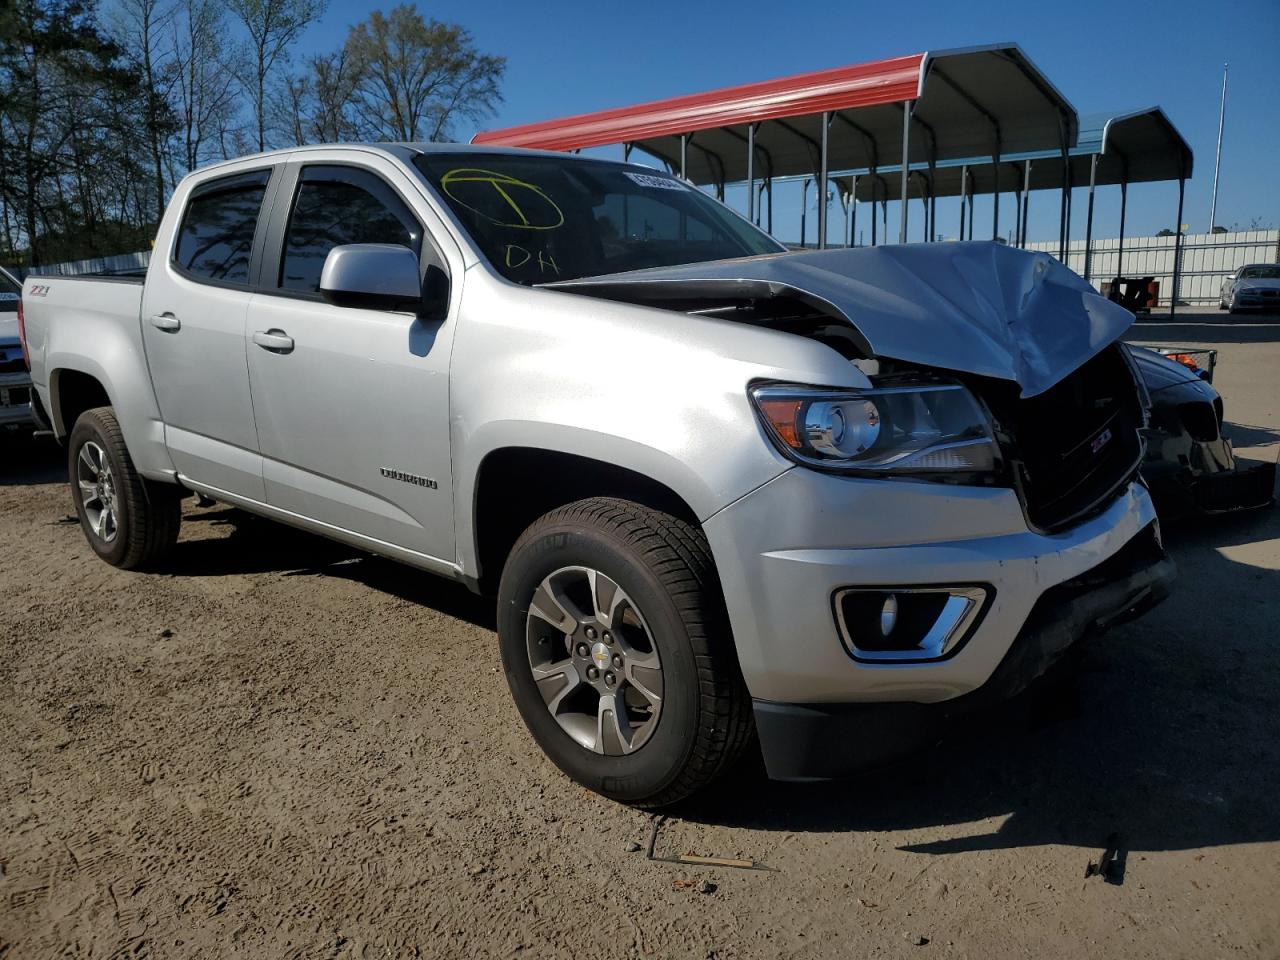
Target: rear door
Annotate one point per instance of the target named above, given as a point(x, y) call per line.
point(193, 325)
point(353, 413)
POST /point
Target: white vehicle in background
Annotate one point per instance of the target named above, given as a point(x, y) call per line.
point(1255, 286)
point(15, 379)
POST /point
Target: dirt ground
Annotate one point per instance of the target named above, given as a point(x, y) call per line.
point(281, 748)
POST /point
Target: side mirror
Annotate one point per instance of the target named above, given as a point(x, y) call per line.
point(376, 276)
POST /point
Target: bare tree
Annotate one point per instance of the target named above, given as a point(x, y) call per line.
point(141, 26)
point(318, 106)
point(273, 26)
point(418, 76)
point(205, 71)
point(334, 78)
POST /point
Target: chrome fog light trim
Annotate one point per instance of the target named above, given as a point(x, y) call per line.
point(960, 612)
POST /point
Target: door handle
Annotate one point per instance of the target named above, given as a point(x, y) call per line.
point(277, 341)
point(167, 322)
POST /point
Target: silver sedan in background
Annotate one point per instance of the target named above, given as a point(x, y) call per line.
point(1255, 286)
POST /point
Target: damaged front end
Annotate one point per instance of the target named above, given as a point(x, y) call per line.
point(1190, 465)
point(1032, 345)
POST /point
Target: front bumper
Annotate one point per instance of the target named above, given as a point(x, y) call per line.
point(825, 741)
point(784, 551)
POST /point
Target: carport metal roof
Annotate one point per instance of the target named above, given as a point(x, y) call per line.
point(1141, 146)
point(989, 100)
point(1138, 147)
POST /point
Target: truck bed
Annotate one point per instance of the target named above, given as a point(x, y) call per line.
point(92, 313)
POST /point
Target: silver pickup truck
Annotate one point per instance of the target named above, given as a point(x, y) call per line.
point(825, 501)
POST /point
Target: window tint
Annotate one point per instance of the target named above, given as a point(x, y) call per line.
point(336, 206)
point(216, 237)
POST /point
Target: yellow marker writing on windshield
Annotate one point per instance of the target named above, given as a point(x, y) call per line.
point(523, 205)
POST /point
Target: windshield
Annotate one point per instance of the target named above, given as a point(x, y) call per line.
point(540, 219)
point(1260, 273)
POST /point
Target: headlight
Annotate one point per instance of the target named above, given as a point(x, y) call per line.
point(903, 427)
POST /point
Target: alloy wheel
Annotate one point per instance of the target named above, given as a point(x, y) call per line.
point(594, 661)
point(97, 491)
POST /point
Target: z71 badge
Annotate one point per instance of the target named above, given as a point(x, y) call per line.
point(409, 478)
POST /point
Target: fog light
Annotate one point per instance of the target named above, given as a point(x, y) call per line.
point(908, 624)
point(889, 614)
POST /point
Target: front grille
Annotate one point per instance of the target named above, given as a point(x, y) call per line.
point(1073, 448)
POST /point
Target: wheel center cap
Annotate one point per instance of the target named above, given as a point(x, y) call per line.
point(600, 654)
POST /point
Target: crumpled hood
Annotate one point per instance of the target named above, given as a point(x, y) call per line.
point(979, 307)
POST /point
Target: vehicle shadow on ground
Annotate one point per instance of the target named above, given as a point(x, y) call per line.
point(25, 460)
point(256, 545)
point(1244, 435)
point(1165, 732)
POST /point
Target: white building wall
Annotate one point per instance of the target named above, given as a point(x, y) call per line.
point(1207, 259)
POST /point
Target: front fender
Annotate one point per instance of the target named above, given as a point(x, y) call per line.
point(659, 393)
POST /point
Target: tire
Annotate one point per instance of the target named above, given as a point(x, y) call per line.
point(650, 575)
point(129, 521)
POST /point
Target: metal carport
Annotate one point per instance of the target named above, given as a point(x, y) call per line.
point(926, 107)
point(1141, 146)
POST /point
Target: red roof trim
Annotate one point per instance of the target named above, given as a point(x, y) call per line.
point(861, 85)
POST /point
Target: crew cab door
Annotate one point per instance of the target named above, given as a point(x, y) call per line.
point(193, 320)
point(352, 404)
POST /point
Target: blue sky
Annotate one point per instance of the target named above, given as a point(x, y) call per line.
point(573, 57)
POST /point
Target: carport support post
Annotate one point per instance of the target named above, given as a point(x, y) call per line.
point(1124, 201)
point(1062, 203)
point(964, 187)
point(875, 200)
point(1026, 204)
point(684, 156)
point(822, 183)
point(1177, 249)
point(1088, 220)
point(804, 208)
point(995, 192)
point(933, 200)
point(906, 153)
point(751, 171)
point(853, 208)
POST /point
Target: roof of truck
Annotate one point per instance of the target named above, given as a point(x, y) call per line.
point(403, 151)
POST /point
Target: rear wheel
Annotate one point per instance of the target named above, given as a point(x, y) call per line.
point(129, 521)
point(618, 654)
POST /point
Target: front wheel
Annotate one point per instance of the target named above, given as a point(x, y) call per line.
point(129, 521)
point(617, 651)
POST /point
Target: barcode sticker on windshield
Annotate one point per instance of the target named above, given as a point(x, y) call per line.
point(660, 183)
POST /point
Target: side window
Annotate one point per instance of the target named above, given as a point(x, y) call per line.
point(216, 236)
point(336, 206)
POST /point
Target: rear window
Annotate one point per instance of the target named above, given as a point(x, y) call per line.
point(216, 237)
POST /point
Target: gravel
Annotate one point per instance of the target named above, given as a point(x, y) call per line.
point(278, 747)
